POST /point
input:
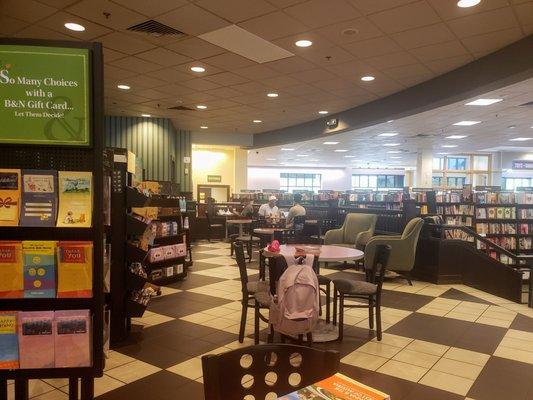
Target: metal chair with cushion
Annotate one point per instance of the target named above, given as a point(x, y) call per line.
point(211, 226)
point(369, 290)
point(403, 249)
point(355, 232)
point(265, 371)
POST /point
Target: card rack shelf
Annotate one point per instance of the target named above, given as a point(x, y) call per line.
point(64, 158)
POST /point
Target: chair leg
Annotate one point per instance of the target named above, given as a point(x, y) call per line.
point(209, 234)
point(300, 339)
point(243, 319)
point(231, 248)
point(249, 249)
point(334, 306)
point(310, 339)
point(408, 277)
point(270, 338)
point(341, 317)
point(370, 312)
point(328, 300)
point(256, 323)
point(378, 318)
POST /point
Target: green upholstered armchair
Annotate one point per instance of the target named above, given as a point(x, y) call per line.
point(355, 232)
point(402, 256)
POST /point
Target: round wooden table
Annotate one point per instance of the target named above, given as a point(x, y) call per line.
point(240, 222)
point(324, 331)
point(268, 231)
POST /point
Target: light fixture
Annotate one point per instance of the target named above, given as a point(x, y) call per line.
point(303, 43)
point(396, 157)
point(123, 87)
point(302, 155)
point(391, 144)
point(203, 127)
point(389, 121)
point(442, 153)
point(367, 78)
point(331, 143)
point(521, 139)
point(456, 137)
point(468, 3)
point(74, 27)
point(257, 121)
point(197, 69)
point(201, 107)
point(146, 115)
point(340, 150)
point(324, 112)
point(466, 123)
point(272, 95)
point(393, 152)
point(388, 134)
point(313, 160)
point(349, 156)
point(271, 159)
point(286, 149)
point(449, 146)
point(483, 102)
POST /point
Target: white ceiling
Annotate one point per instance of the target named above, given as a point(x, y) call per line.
point(500, 122)
point(400, 42)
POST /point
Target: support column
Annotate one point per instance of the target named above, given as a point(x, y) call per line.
point(424, 169)
point(241, 170)
point(496, 173)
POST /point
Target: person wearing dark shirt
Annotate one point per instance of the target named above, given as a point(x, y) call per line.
point(248, 209)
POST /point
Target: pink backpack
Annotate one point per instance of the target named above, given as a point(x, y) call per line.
point(295, 310)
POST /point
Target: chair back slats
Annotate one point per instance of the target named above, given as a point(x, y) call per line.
point(241, 262)
point(376, 272)
point(262, 370)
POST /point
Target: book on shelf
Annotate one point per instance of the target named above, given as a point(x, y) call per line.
point(75, 199)
point(491, 213)
point(36, 339)
point(525, 213)
point(39, 268)
point(500, 212)
point(481, 213)
point(9, 197)
point(525, 243)
point(9, 348)
point(336, 387)
point(11, 270)
point(75, 270)
point(524, 198)
point(72, 333)
point(39, 198)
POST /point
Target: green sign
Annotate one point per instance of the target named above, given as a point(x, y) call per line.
point(44, 95)
point(214, 178)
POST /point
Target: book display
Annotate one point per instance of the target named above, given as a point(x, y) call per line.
point(51, 247)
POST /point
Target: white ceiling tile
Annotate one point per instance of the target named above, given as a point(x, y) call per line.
point(164, 57)
point(290, 65)
point(407, 71)
point(372, 47)
point(106, 13)
point(285, 3)
point(223, 92)
point(195, 48)
point(124, 43)
point(9, 26)
point(524, 12)
point(237, 10)
point(135, 64)
point(57, 22)
point(144, 81)
point(151, 8)
point(317, 13)
point(350, 31)
point(250, 88)
point(391, 60)
point(229, 61)
point(449, 10)
point(424, 36)
point(313, 75)
point(35, 31)
point(256, 72)
point(59, 4)
point(489, 42)
point(192, 20)
point(409, 16)
point(226, 79)
point(477, 24)
point(328, 56)
point(274, 26)
point(171, 75)
point(30, 11)
point(439, 51)
point(200, 84)
point(280, 82)
point(445, 65)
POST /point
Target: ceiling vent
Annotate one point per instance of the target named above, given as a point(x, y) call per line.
point(156, 29)
point(181, 108)
point(528, 104)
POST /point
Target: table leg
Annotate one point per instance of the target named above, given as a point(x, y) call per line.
point(240, 230)
point(73, 389)
point(87, 388)
point(21, 389)
point(3, 388)
point(226, 230)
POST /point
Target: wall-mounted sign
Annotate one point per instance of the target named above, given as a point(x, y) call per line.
point(522, 164)
point(332, 123)
point(186, 160)
point(214, 178)
point(44, 95)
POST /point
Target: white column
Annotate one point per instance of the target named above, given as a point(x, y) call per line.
point(424, 169)
point(240, 170)
point(497, 169)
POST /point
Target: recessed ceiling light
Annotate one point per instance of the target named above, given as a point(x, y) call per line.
point(341, 150)
point(286, 149)
point(123, 87)
point(389, 121)
point(456, 137)
point(331, 143)
point(272, 95)
point(391, 144)
point(302, 155)
point(388, 134)
point(313, 160)
point(303, 43)
point(396, 157)
point(257, 121)
point(468, 3)
point(483, 102)
point(323, 112)
point(442, 153)
point(511, 127)
point(393, 151)
point(74, 27)
point(271, 159)
point(449, 146)
point(201, 107)
point(146, 115)
point(203, 127)
point(521, 139)
point(367, 78)
point(349, 156)
point(197, 68)
point(466, 123)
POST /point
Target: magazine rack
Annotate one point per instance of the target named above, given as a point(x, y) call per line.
point(64, 158)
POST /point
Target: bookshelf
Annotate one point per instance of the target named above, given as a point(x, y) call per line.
point(65, 157)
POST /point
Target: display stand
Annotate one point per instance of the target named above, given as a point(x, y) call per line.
point(64, 158)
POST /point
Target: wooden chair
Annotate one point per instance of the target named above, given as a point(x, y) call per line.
point(211, 226)
point(250, 239)
point(254, 295)
point(369, 290)
point(265, 371)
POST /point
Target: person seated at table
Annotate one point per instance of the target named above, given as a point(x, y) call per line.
point(296, 210)
point(269, 210)
point(247, 210)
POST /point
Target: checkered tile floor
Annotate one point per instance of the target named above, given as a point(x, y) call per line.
point(446, 342)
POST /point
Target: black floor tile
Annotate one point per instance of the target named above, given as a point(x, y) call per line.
point(195, 280)
point(455, 294)
point(422, 392)
point(155, 352)
point(404, 301)
point(522, 323)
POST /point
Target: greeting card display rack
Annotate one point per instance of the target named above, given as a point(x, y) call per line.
point(64, 158)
